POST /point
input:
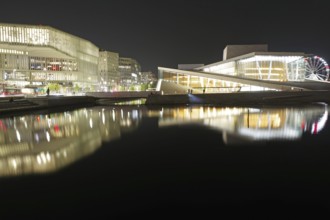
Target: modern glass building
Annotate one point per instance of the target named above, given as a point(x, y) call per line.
point(130, 71)
point(249, 62)
point(109, 70)
point(37, 55)
point(263, 66)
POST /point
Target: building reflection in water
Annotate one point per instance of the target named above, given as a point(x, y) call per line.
point(239, 125)
point(46, 143)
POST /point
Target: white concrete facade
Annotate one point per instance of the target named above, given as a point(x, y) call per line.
point(237, 73)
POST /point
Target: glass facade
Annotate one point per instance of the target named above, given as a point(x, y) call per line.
point(108, 69)
point(38, 55)
point(199, 83)
point(275, 68)
point(130, 71)
point(264, 67)
point(206, 85)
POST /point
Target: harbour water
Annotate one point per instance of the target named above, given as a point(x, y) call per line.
point(191, 160)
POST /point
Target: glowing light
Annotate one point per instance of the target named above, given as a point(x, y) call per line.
point(18, 135)
point(11, 51)
point(161, 112)
point(135, 114)
point(113, 115)
point(14, 164)
point(47, 136)
point(286, 59)
point(48, 156)
point(103, 118)
point(56, 128)
point(91, 123)
point(42, 158)
point(36, 137)
point(319, 125)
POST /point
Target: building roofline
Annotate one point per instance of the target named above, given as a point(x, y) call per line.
point(251, 55)
point(48, 27)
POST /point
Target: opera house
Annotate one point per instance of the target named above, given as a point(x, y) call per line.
point(246, 68)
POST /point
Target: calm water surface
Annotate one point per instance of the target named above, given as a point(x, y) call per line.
point(188, 160)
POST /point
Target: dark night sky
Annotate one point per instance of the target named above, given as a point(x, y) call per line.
point(167, 33)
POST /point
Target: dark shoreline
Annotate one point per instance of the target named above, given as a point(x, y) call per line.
point(44, 104)
point(241, 99)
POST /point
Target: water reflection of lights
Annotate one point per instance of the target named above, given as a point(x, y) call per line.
point(135, 114)
point(252, 123)
point(18, 136)
point(267, 134)
point(45, 143)
point(194, 99)
point(194, 114)
point(103, 117)
point(320, 123)
point(90, 123)
point(113, 115)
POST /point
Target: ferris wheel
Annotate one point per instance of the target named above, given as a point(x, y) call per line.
point(316, 69)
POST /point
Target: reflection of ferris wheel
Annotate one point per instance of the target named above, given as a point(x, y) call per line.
point(316, 68)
